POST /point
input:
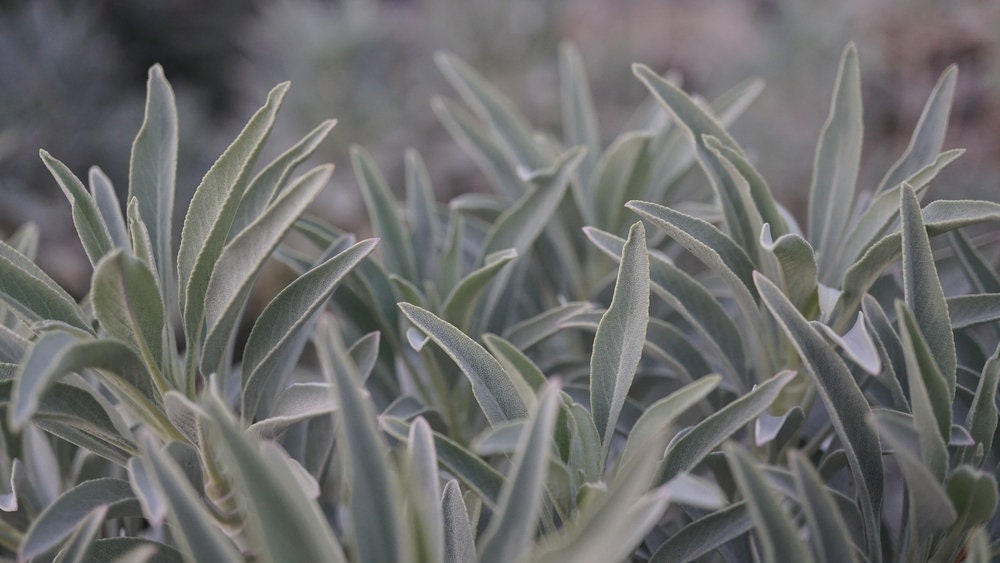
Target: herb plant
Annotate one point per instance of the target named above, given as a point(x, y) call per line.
point(591, 364)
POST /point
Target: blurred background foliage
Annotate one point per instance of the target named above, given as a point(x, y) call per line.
point(72, 77)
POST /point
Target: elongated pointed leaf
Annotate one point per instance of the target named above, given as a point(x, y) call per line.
point(982, 418)
point(269, 182)
point(838, 156)
point(971, 310)
point(529, 332)
point(525, 375)
point(153, 170)
point(60, 518)
point(579, 118)
point(80, 546)
point(127, 302)
point(212, 209)
point(32, 295)
point(425, 227)
point(282, 328)
point(86, 216)
point(828, 533)
point(201, 537)
point(923, 292)
point(615, 171)
point(298, 402)
point(490, 383)
point(510, 533)
point(398, 251)
point(844, 401)
point(291, 526)
point(977, 268)
point(688, 450)
point(424, 488)
point(242, 260)
point(705, 535)
point(620, 334)
point(459, 543)
point(108, 205)
point(491, 106)
point(773, 526)
point(928, 135)
point(798, 268)
point(461, 302)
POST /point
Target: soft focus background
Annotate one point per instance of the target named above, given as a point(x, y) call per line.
point(72, 80)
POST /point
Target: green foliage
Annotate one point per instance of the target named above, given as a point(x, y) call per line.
point(530, 376)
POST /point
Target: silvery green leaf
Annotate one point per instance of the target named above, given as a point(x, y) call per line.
point(697, 123)
point(509, 127)
point(280, 332)
point(838, 156)
point(211, 211)
point(929, 394)
point(887, 339)
point(757, 188)
point(32, 295)
point(25, 239)
point(133, 550)
point(521, 223)
point(491, 385)
point(928, 135)
point(500, 439)
point(200, 536)
point(620, 335)
point(974, 495)
point(298, 402)
point(141, 245)
point(524, 374)
point(424, 490)
point(510, 533)
point(460, 462)
point(798, 268)
point(579, 118)
point(982, 418)
point(939, 217)
point(923, 292)
point(128, 304)
point(364, 352)
point(977, 268)
point(776, 430)
point(461, 302)
point(108, 205)
point(529, 332)
point(614, 175)
point(880, 213)
point(691, 300)
point(81, 417)
point(81, 544)
point(930, 508)
point(675, 347)
point(152, 173)
point(270, 182)
point(398, 250)
point(60, 518)
point(773, 526)
point(184, 414)
point(705, 535)
point(149, 495)
point(828, 533)
point(241, 261)
point(86, 216)
point(856, 343)
point(481, 146)
point(459, 543)
point(374, 513)
point(12, 346)
point(843, 399)
point(425, 227)
point(687, 450)
point(290, 524)
point(661, 415)
point(971, 310)
point(585, 444)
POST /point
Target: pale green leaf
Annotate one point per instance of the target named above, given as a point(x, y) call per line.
point(798, 268)
point(615, 171)
point(461, 302)
point(773, 526)
point(929, 133)
point(424, 491)
point(705, 535)
point(828, 533)
point(689, 449)
point(32, 295)
point(81, 544)
point(398, 250)
point(12, 346)
point(524, 374)
point(459, 543)
point(579, 118)
point(298, 402)
point(843, 399)
point(979, 271)
point(364, 352)
point(425, 227)
point(620, 334)
point(510, 533)
point(268, 184)
point(60, 518)
point(242, 260)
point(838, 156)
point(153, 171)
point(108, 205)
point(211, 211)
point(971, 310)
point(374, 511)
point(491, 385)
point(282, 328)
point(133, 550)
point(531, 331)
point(87, 217)
point(982, 418)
